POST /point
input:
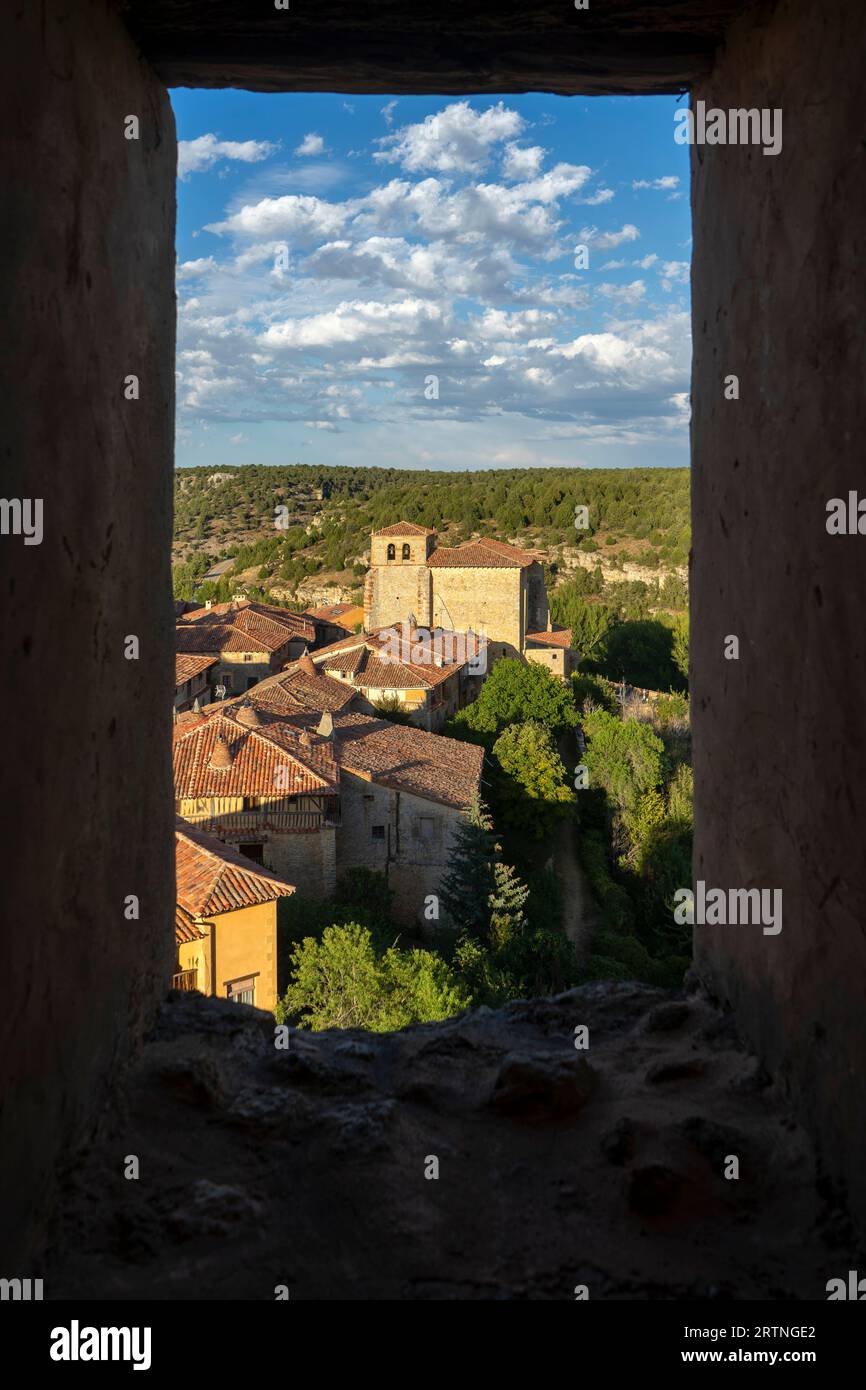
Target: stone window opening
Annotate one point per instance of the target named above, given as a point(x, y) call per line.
point(748, 289)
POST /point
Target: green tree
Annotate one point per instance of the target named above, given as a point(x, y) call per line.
point(506, 903)
point(624, 757)
point(341, 982)
point(680, 651)
point(471, 878)
point(532, 792)
point(516, 691)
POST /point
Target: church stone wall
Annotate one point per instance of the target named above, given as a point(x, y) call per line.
point(476, 598)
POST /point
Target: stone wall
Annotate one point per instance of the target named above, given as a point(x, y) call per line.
point(87, 296)
point(476, 598)
point(778, 285)
point(305, 859)
point(413, 855)
point(397, 590)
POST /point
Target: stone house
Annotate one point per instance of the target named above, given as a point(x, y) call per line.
point(429, 674)
point(263, 786)
point(553, 649)
point(191, 679)
point(335, 620)
point(248, 640)
point(225, 921)
point(360, 793)
point(483, 586)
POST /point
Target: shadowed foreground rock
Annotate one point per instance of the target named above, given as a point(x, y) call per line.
point(306, 1168)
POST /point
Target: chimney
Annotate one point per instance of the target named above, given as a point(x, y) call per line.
point(326, 726)
point(248, 716)
point(196, 705)
point(307, 665)
point(221, 757)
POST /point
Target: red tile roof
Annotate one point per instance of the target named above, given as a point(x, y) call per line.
point(402, 757)
point(211, 879)
point(187, 666)
point(557, 637)
point(185, 928)
point(481, 554)
point(407, 759)
point(241, 626)
point(255, 756)
point(394, 658)
point(296, 688)
point(405, 528)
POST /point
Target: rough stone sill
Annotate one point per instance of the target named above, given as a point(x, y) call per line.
point(306, 1168)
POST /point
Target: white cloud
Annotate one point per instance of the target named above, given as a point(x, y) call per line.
point(674, 273)
point(454, 140)
point(388, 112)
point(195, 155)
point(666, 183)
point(351, 322)
point(303, 216)
point(624, 294)
point(311, 144)
point(606, 241)
point(188, 270)
point(522, 163)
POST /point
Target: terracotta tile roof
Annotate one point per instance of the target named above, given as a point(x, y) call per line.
point(255, 755)
point(408, 759)
point(340, 614)
point(241, 626)
point(557, 637)
point(481, 554)
point(295, 688)
point(187, 666)
point(212, 878)
point(405, 528)
point(371, 659)
point(185, 928)
point(402, 757)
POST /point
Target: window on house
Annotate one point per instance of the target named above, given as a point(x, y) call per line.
point(425, 827)
point(241, 991)
point(378, 832)
point(392, 552)
point(255, 852)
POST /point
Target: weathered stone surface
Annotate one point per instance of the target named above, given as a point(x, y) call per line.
point(86, 298)
point(310, 1170)
point(456, 46)
point(778, 285)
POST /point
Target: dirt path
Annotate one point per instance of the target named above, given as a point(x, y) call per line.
point(579, 916)
point(579, 912)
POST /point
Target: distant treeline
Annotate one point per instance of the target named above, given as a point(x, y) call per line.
point(535, 506)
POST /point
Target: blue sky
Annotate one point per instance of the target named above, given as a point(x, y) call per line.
point(391, 281)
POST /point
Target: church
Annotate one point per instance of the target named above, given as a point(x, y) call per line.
point(485, 586)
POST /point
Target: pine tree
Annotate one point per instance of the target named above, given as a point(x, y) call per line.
point(506, 904)
point(466, 888)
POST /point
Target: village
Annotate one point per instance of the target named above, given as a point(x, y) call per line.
point(304, 748)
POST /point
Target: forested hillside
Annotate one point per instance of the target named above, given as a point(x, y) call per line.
point(284, 525)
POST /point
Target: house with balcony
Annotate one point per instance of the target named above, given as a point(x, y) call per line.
point(268, 789)
point(225, 921)
point(191, 681)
